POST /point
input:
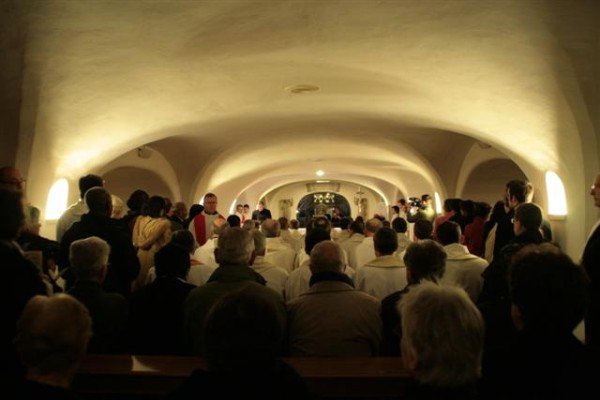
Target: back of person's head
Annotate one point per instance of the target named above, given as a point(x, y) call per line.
point(385, 241)
point(184, 239)
point(345, 223)
point(373, 225)
point(156, 207)
point(234, 220)
point(294, 224)
point(425, 260)
point(482, 209)
point(243, 332)
point(89, 181)
point(168, 205)
point(360, 219)
point(313, 237)
point(32, 219)
point(455, 205)
point(195, 209)
point(425, 198)
point(448, 233)
point(235, 247)
point(442, 335)
point(467, 207)
point(498, 211)
point(396, 209)
point(260, 242)
point(180, 209)
point(137, 201)
point(357, 227)
point(448, 205)
point(98, 201)
point(88, 258)
point(52, 335)
point(172, 260)
point(530, 216)
point(549, 290)
point(284, 224)
point(326, 256)
point(423, 229)
point(522, 191)
point(270, 228)
point(249, 225)
point(400, 225)
point(11, 214)
point(321, 222)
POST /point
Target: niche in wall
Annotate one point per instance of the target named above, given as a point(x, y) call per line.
point(487, 181)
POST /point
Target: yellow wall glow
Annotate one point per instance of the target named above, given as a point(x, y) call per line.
point(557, 199)
point(57, 199)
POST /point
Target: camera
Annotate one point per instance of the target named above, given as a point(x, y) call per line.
point(414, 202)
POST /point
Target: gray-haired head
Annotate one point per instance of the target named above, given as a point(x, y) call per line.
point(52, 335)
point(326, 256)
point(450, 359)
point(235, 247)
point(88, 257)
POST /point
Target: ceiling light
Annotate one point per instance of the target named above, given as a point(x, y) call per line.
point(302, 88)
point(320, 172)
point(323, 181)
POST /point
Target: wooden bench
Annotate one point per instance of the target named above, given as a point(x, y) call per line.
point(125, 376)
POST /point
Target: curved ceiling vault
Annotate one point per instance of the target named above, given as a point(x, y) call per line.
point(405, 89)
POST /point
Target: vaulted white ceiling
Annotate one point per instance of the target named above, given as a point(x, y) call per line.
point(406, 89)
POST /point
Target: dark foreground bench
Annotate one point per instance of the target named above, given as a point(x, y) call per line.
point(132, 377)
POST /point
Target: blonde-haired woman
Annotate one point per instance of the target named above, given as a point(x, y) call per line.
point(150, 233)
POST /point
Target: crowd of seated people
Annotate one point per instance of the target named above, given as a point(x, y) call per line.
point(443, 293)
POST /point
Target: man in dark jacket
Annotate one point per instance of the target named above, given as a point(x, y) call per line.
point(23, 279)
point(234, 254)
point(123, 264)
point(494, 301)
point(89, 259)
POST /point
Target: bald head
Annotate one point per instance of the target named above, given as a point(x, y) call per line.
point(326, 256)
point(11, 179)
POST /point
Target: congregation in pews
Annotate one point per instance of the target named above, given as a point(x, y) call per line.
point(476, 302)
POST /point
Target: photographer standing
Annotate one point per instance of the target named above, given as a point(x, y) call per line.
point(422, 211)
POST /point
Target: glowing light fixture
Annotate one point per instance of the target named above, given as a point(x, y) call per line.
point(557, 198)
point(57, 199)
point(320, 172)
point(438, 203)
